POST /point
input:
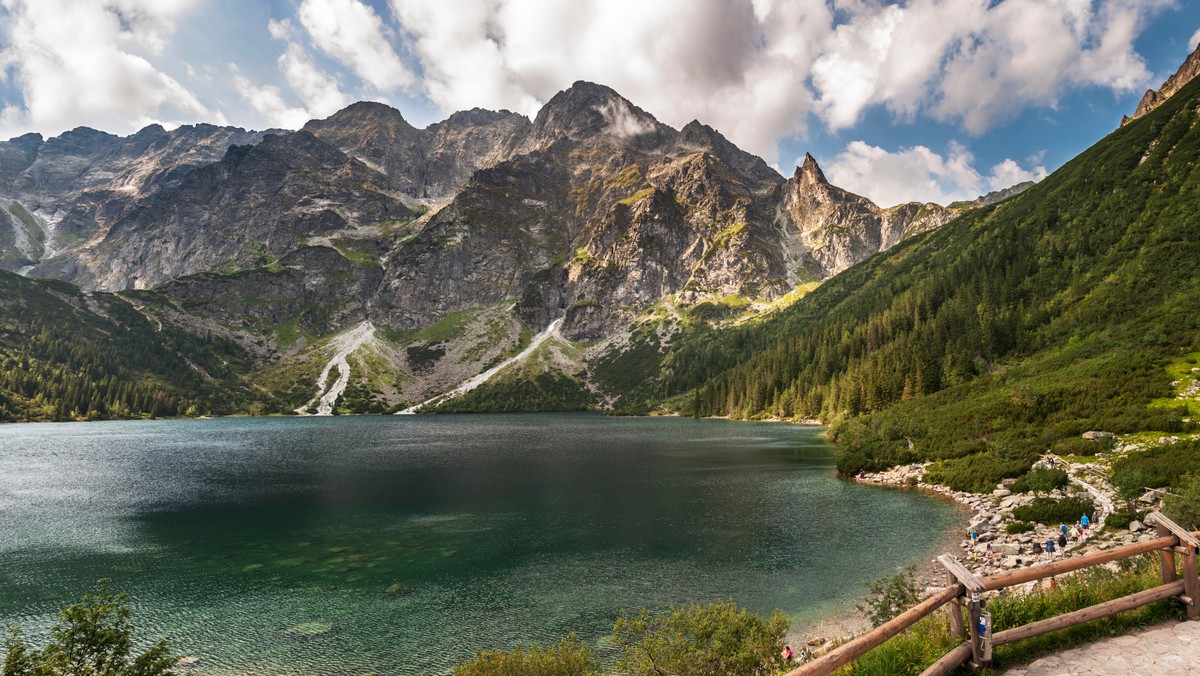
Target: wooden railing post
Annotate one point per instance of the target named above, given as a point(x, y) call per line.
point(1191, 583)
point(973, 613)
point(955, 610)
point(1167, 556)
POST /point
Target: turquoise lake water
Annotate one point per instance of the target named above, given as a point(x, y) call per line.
point(500, 529)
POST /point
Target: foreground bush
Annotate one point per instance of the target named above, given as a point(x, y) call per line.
point(887, 597)
point(697, 640)
point(92, 638)
point(571, 657)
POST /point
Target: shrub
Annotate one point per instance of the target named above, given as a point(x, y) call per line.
point(977, 473)
point(1040, 480)
point(571, 657)
point(1015, 527)
point(1182, 504)
point(94, 637)
point(1155, 468)
point(890, 596)
point(716, 638)
point(1050, 512)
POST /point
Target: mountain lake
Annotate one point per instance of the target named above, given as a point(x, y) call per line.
point(402, 544)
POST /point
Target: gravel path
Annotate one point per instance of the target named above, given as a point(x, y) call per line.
point(1168, 649)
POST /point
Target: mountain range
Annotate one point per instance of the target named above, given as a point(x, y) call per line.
point(456, 243)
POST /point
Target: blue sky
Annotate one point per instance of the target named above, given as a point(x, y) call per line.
point(927, 99)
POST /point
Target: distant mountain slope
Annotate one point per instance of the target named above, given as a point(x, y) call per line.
point(65, 355)
point(1011, 330)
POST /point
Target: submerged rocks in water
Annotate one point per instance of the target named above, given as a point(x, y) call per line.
point(309, 630)
point(397, 590)
point(186, 662)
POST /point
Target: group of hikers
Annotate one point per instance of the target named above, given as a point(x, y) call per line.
point(1052, 546)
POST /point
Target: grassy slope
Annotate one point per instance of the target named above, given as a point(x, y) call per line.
point(1012, 329)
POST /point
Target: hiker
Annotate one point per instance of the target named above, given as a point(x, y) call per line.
point(989, 552)
point(1074, 533)
point(1050, 548)
point(1062, 542)
point(1037, 550)
point(974, 536)
point(1063, 528)
point(1085, 521)
point(803, 656)
point(1053, 583)
point(787, 654)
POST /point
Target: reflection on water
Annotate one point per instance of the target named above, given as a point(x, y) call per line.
point(419, 539)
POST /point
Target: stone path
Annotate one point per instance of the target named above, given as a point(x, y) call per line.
point(1170, 649)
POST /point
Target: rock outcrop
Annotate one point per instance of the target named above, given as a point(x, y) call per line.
point(1155, 98)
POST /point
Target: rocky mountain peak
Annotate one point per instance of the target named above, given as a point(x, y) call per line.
point(587, 110)
point(809, 173)
point(361, 115)
point(1153, 99)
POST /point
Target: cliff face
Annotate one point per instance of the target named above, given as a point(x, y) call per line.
point(1155, 98)
point(593, 212)
point(827, 229)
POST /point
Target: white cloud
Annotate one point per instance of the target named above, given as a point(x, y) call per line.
point(268, 101)
point(977, 62)
point(86, 62)
point(739, 66)
point(350, 32)
point(919, 174)
point(756, 69)
point(1194, 42)
point(318, 90)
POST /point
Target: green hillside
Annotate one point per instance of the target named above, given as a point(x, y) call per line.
point(65, 355)
point(1004, 333)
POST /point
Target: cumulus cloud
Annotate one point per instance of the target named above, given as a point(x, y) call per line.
point(353, 34)
point(1194, 42)
point(320, 92)
point(757, 69)
point(268, 102)
point(739, 66)
point(86, 62)
point(976, 62)
point(922, 175)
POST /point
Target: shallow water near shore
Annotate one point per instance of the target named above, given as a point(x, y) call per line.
point(419, 539)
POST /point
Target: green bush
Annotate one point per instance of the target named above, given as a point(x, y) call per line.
point(1120, 519)
point(1040, 480)
point(889, 596)
point(696, 640)
point(1015, 527)
point(1182, 504)
point(1155, 468)
point(92, 638)
point(1081, 446)
point(571, 657)
point(1051, 512)
point(978, 473)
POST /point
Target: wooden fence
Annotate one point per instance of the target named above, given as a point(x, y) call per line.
point(965, 588)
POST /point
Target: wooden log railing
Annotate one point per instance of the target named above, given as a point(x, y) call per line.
point(964, 589)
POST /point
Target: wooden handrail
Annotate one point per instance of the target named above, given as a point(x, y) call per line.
point(852, 650)
point(1044, 570)
point(1088, 614)
point(1186, 590)
point(1185, 536)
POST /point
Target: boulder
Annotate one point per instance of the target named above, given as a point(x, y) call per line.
point(1150, 497)
point(1135, 526)
point(1095, 435)
point(1002, 492)
point(1005, 548)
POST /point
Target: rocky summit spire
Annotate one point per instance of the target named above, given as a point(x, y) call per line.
point(810, 172)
